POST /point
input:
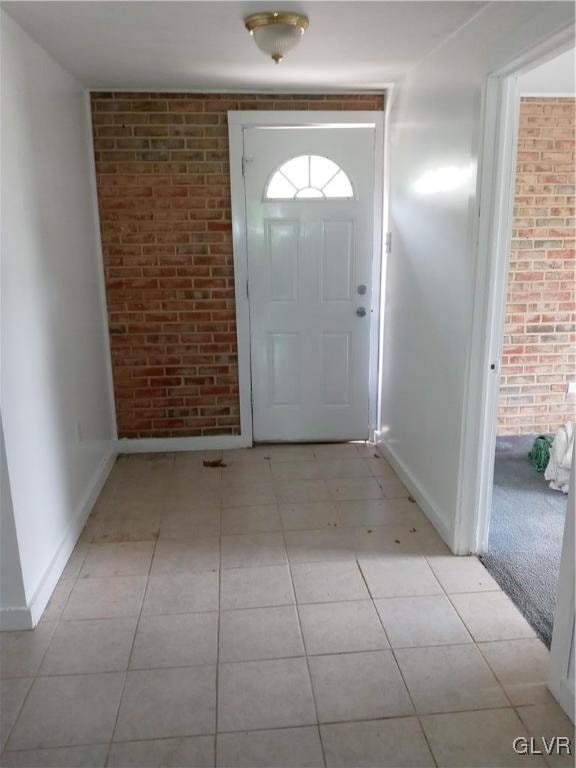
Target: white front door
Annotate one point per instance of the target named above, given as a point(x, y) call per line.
point(309, 211)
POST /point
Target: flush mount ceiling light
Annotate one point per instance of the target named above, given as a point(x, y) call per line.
point(276, 33)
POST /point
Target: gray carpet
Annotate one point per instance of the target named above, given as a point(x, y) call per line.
point(526, 530)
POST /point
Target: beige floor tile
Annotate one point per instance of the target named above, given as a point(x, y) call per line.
point(12, 694)
point(358, 686)
point(416, 621)
point(491, 616)
point(120, 559)
point(62, 757)
point(309, 516)
point(67, 711)
point(181, 640)
point(57, 603)
point(187, 459)
point(129, 528)
point(335, 451)
point(398, 576)
point(449, 678)
point(290, 453)
point(365, 449)
point(256, 695)
point(252, 549)
point(301, 491)
point(462, 574)
point(258, 471)
point(240, 493)
point(393, 743)
point(186, 555)
point(544, 721)
point(419, 539)
point(256, 587)
point(187, 481)
point(294, 747)
point(344, 469)
point(393, 489)
point(296, 470)
point(316, 546)
point(181, 593)
point(194, 523)
point(240, 456)
point(326, 582)
point(21, 653)
point(373, 512)
point(163, 703)
point(95, 645)
point(260, 633)
point(75, 561)
point(341, 627)
point(257, 519)
point(344, 489)
point(521, 666)
point(193, 491)
point(380, 468)
point(108, 598)
point(476, 739)
point(192, 752)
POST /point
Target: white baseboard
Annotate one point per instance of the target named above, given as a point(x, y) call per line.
point(27, 617)
point(416, 490)
point(15, 619)
point(173, 444)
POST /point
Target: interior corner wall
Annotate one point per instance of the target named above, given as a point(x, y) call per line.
point(435, 137)
point(166, 222)
point(538, 354)
point(57, 408)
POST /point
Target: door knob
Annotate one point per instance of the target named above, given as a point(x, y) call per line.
point(360, 311)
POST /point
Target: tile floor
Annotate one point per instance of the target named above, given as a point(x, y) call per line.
point(292, 608)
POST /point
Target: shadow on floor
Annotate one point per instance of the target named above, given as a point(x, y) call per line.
point(526, 530)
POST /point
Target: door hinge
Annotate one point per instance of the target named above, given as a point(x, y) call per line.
point(245, 162)
point(388, 242)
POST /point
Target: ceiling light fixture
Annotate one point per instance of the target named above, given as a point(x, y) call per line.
point(276, 33)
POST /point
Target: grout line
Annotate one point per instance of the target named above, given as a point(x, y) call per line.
point(127, 670)
point(392, 650)
point(217, 680)
point(318, 729)
point(34, 677)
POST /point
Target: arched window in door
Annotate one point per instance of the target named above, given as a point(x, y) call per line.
point(309, 177)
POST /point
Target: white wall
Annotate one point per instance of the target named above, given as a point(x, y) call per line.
point(56, 402)
point(556, 77)
point(435, 136)
point(12, 595)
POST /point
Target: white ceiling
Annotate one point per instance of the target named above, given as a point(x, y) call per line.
point(203, 45)
point(555, 78)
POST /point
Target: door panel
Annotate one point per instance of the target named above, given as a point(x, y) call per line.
point(337, 260)
point(307, 255)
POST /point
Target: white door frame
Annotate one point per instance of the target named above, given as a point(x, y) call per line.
point(496, 193)
point(237, 122)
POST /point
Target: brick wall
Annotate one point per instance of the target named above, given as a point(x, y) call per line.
point(538, 357)
point(164, 199)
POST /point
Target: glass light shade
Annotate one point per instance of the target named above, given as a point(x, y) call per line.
point(277, 39)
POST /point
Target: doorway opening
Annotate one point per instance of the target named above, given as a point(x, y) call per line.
point(536, 404)
point(307, 202)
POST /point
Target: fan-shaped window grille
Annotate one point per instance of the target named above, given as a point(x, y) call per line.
point(309, 176)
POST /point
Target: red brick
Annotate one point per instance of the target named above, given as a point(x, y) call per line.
point(537, 355)
point(165, 217)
